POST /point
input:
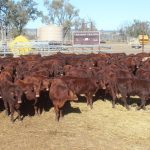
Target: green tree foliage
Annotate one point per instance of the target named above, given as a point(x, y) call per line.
point(18, 13)
point(61, 12)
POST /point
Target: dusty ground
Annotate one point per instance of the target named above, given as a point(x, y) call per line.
point(102, 128)
point(123, 47)
point(110, 48)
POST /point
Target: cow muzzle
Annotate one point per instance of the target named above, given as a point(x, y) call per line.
point(82, 95)
point(37, 95)
point(104, 87)
point(19, 101)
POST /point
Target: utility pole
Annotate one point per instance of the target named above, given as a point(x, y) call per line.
point(3, 33)
point(4, 38)
point(83, 26)
point(142, 37)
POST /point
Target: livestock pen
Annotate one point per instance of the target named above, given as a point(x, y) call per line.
point(102, 127)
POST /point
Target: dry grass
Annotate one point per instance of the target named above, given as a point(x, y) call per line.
point(102, 128)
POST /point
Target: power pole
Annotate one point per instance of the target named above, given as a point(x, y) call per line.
point(142, 37)
point(83, 26)
point(3, 28)
point(4, 38)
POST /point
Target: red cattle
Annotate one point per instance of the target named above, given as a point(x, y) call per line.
point(131, 87)
point(84, 74)
point(86, 86)
point(60, 93)
point(11, 97)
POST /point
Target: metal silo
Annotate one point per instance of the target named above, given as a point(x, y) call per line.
point(50, 33)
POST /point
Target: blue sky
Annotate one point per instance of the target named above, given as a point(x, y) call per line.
point(107, 14)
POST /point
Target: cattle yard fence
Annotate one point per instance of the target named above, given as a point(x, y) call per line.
point(44, 48)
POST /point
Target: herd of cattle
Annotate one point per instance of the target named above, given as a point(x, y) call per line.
point(66, 77)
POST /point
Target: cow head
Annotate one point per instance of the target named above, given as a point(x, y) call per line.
point(45, 84)
point(101, 84)
point(60, 71)
point(16, 94)
point(37, 88)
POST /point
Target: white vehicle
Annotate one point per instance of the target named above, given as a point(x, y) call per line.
point(134, 42)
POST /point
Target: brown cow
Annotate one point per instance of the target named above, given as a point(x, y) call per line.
point(86, 86)
point(11, 96)
point(132, 87)
point(60, 93)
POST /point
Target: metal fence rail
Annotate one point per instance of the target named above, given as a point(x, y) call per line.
point(44, 48)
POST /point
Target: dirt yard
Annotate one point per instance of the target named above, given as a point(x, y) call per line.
point(123, 47)
point(101, 128)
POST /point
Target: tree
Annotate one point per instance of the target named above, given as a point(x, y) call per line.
point(136, 28)
point(23, 12)
point(4, 9)
point(18, 14)
point(122, 34)
point(61, 12)
point(5, 6)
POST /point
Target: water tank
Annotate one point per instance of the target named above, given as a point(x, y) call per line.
point(50, 33)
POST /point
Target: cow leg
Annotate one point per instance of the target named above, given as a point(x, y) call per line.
point(104, 96)
point(113, 98)
point(12, 110)
point(89, 100)
point(36, 106)
point(128, 97)
point(144, 107)
point(6, 108)
point(91, 103)
point(125, 102)
point(113, 103)
point(57, 112)
point(143, 102)
point(61, 113)
point(19, 114)
point(39, 110)
point(36, 109)
point(17, 107)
